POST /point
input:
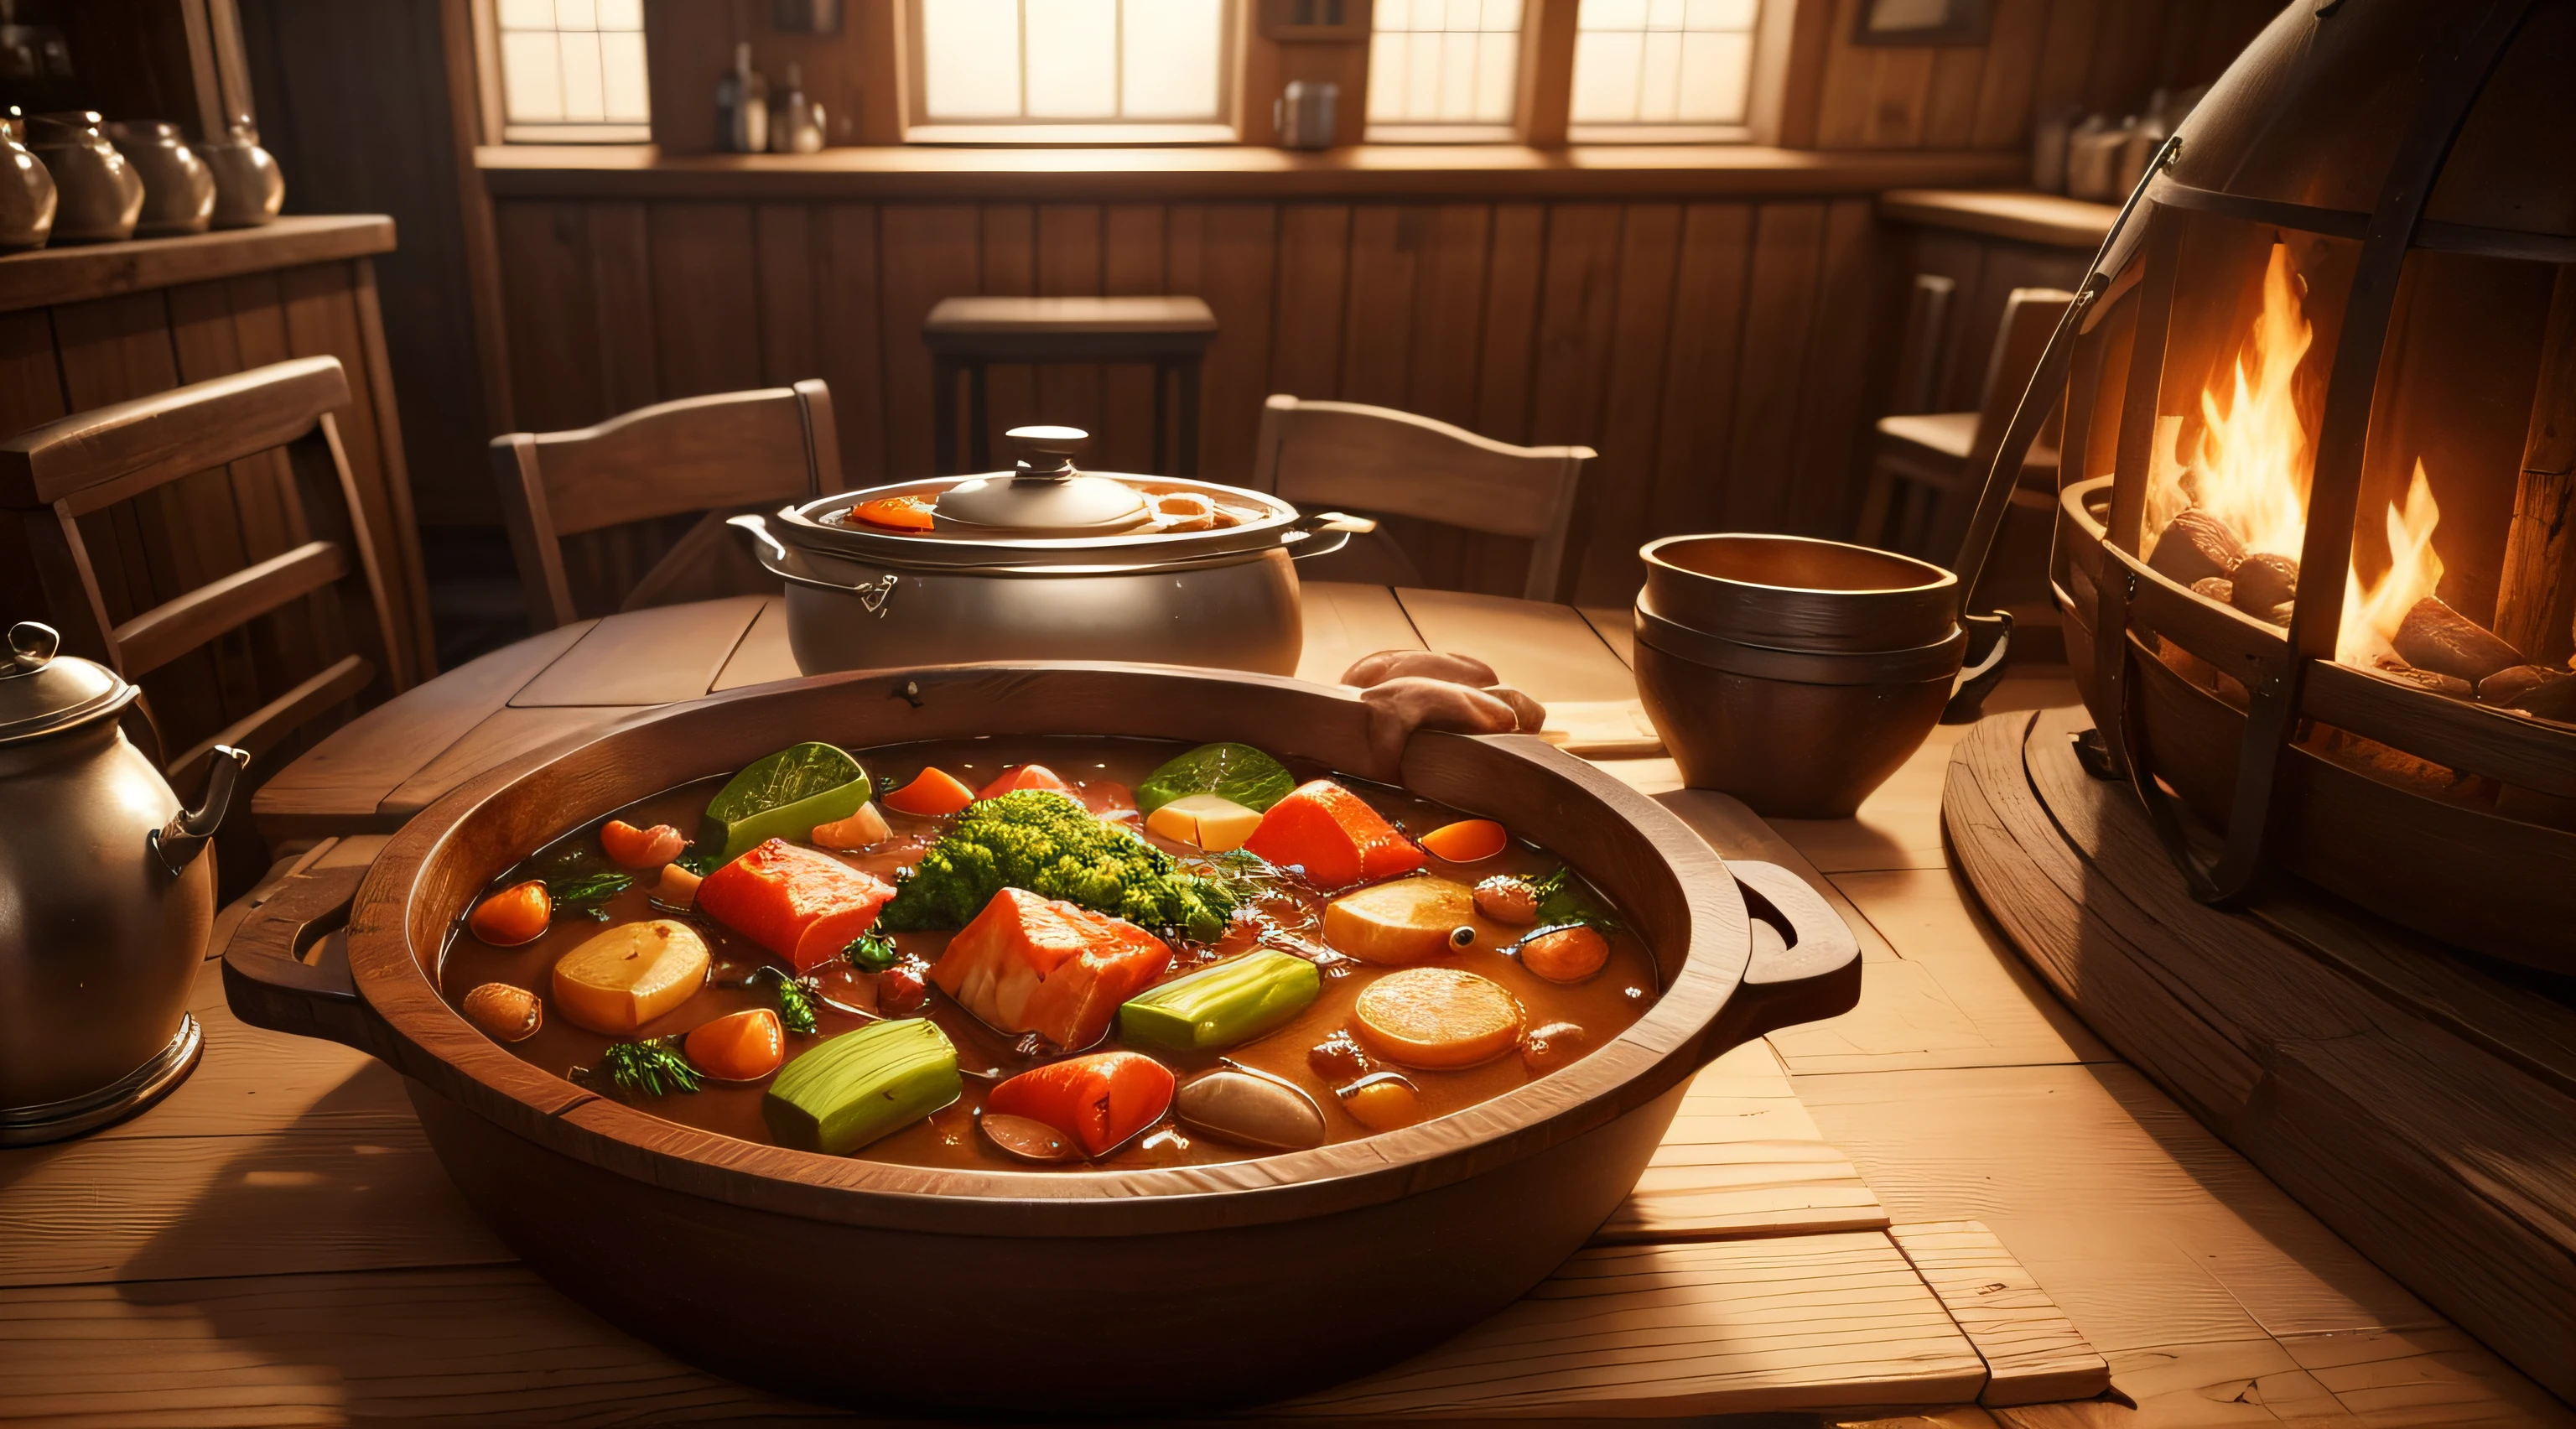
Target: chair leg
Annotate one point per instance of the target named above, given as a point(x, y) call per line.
point(1163, 377)
point(979, 418)
point(1189, 453)
point(943, 416)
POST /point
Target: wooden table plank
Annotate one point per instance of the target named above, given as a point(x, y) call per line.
point(505, 735)
point(1722, 1327)
point(1547, 651)
point(763, 655)
point(1345, 621)
point(2033, 1353)
point(336, 786)
point(646, 657)
point(1743, 1158)
point(1617, 628)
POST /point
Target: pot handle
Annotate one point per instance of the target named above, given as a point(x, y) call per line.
point(266, 979)
point(1989, 647)
point(1805, 965)
point(1324, 532)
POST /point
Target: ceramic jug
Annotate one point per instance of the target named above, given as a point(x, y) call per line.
point(98, 195)
point(178, 188)
point(26, 191)
point(249, 190)
point(107, 894)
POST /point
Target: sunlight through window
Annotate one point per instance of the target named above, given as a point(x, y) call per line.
point(1072, 61)
point(1663, 62)
point(572, 71)
point(1444, 61)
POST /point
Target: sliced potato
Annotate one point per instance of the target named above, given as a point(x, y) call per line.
point(629, 975)
point(1401, 923)
point(1209, 821)
point(1438, 1018)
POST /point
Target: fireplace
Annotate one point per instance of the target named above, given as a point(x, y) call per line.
point(2320, 447)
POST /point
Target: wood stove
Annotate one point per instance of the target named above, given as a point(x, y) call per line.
point(2320, 447)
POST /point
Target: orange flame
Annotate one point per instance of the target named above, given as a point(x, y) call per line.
point(2253, 461)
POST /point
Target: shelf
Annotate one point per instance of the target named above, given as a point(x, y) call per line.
point(2020, 214)
point(74, 272)
point(1388, 171)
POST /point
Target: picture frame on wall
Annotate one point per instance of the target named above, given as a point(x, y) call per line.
point(1922, 22)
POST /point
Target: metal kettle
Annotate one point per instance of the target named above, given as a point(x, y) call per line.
point(107, 894)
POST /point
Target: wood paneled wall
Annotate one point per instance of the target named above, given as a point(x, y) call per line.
point(1714, 352)
point(2039, 56)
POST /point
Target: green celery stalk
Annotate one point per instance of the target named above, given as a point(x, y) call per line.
point(1222, 1005)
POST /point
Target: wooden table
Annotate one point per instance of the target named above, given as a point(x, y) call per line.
point(275, 1244)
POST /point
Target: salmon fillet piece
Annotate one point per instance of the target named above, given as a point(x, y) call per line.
point(1033, 964)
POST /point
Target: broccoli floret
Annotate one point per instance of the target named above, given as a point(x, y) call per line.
point(1048, 844)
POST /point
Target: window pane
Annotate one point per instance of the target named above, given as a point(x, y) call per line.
point(970, 51)
point(581, 90)
point(621, 72)
point(1072, 58)
point(531, 78)
point(1174, 49)
point(1663, 61)
point(527, 14)
point(573, 69)
point(576, 15)
point(621, 14)
point(1444, 61)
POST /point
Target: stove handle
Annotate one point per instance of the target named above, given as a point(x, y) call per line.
point(268, 983)
point(1805, 965)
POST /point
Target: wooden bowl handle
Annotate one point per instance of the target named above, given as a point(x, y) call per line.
point(268, 982)
point(1805, 965)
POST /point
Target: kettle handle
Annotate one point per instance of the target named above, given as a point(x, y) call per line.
point(179, 841)
point(1805, 964)
point(268, 983)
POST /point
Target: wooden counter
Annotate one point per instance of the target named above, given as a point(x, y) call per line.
point(2022, 215)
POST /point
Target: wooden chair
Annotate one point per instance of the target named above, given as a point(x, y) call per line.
point(715, 454)
point(52, 476)
point(965, 335)
point(1916, 500)
point(1386, 462)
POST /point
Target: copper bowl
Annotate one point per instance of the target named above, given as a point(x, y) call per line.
point(1795, 734)
point(1122, 1292)
point(1800, 593)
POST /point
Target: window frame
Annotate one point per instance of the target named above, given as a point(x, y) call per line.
point(492, 97)
point(1023, 133)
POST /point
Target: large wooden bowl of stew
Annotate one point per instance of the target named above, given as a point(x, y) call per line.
point(1174, 1273)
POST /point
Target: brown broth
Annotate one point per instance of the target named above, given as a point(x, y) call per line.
point(1107, 769)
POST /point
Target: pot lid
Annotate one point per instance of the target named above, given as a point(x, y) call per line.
point(42, 693)
point(1044, 496)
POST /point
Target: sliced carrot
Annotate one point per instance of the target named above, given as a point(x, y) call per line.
point(899, 513)
point(1099, 1100)
point(1566, 955)
point(1466, 841)
point(631, 847)
point(1439, 1018)
point(741, 1047)
point(802, 905)
point(1026, 776)
point(515, 915)
point(1334, 836)
point(1033, 964)
point(931, 794)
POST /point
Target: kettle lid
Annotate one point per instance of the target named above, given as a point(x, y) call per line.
point(44, 693)
point(1045, 496)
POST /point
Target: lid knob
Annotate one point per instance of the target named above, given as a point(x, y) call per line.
point(32, 644)
point(1047, 453)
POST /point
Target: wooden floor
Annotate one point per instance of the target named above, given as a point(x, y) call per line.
point(1953, 1191)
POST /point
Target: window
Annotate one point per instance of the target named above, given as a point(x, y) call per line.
point(1646, 65)
point(572, 71)
point(1443, 63)
point(1071, 62)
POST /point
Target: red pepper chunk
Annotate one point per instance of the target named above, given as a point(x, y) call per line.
point(1034, 964)
point(1334, 835)
point(1099, 1100)
point(802, 905)
point(1027, 776)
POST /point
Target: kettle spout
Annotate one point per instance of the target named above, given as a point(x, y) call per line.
point(178, 842)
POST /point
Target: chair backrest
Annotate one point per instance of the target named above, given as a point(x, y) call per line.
point(1918, 353)
point(53, 475)
point(708, 454)
point(1317, 454)
point(2030, 316)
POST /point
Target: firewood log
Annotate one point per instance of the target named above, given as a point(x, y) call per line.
point(2436, 637)
point(2264, 580)
point(2550, 700)
point(2505, 686)
point(2195, 545)
point(2217, 588)
point(2422, 679)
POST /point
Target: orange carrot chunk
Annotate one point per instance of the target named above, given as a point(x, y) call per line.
point(1099, 1100)
point(900, 513)
point(1033, 964)
point(515, 915)
point(802, 905)
point(631, 847)
point(1027, 776)
point(739, 1047)
point(932, 793)
point(1334, 835)
point(1466, 841)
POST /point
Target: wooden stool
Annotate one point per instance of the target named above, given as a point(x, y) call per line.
point(967, 334)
